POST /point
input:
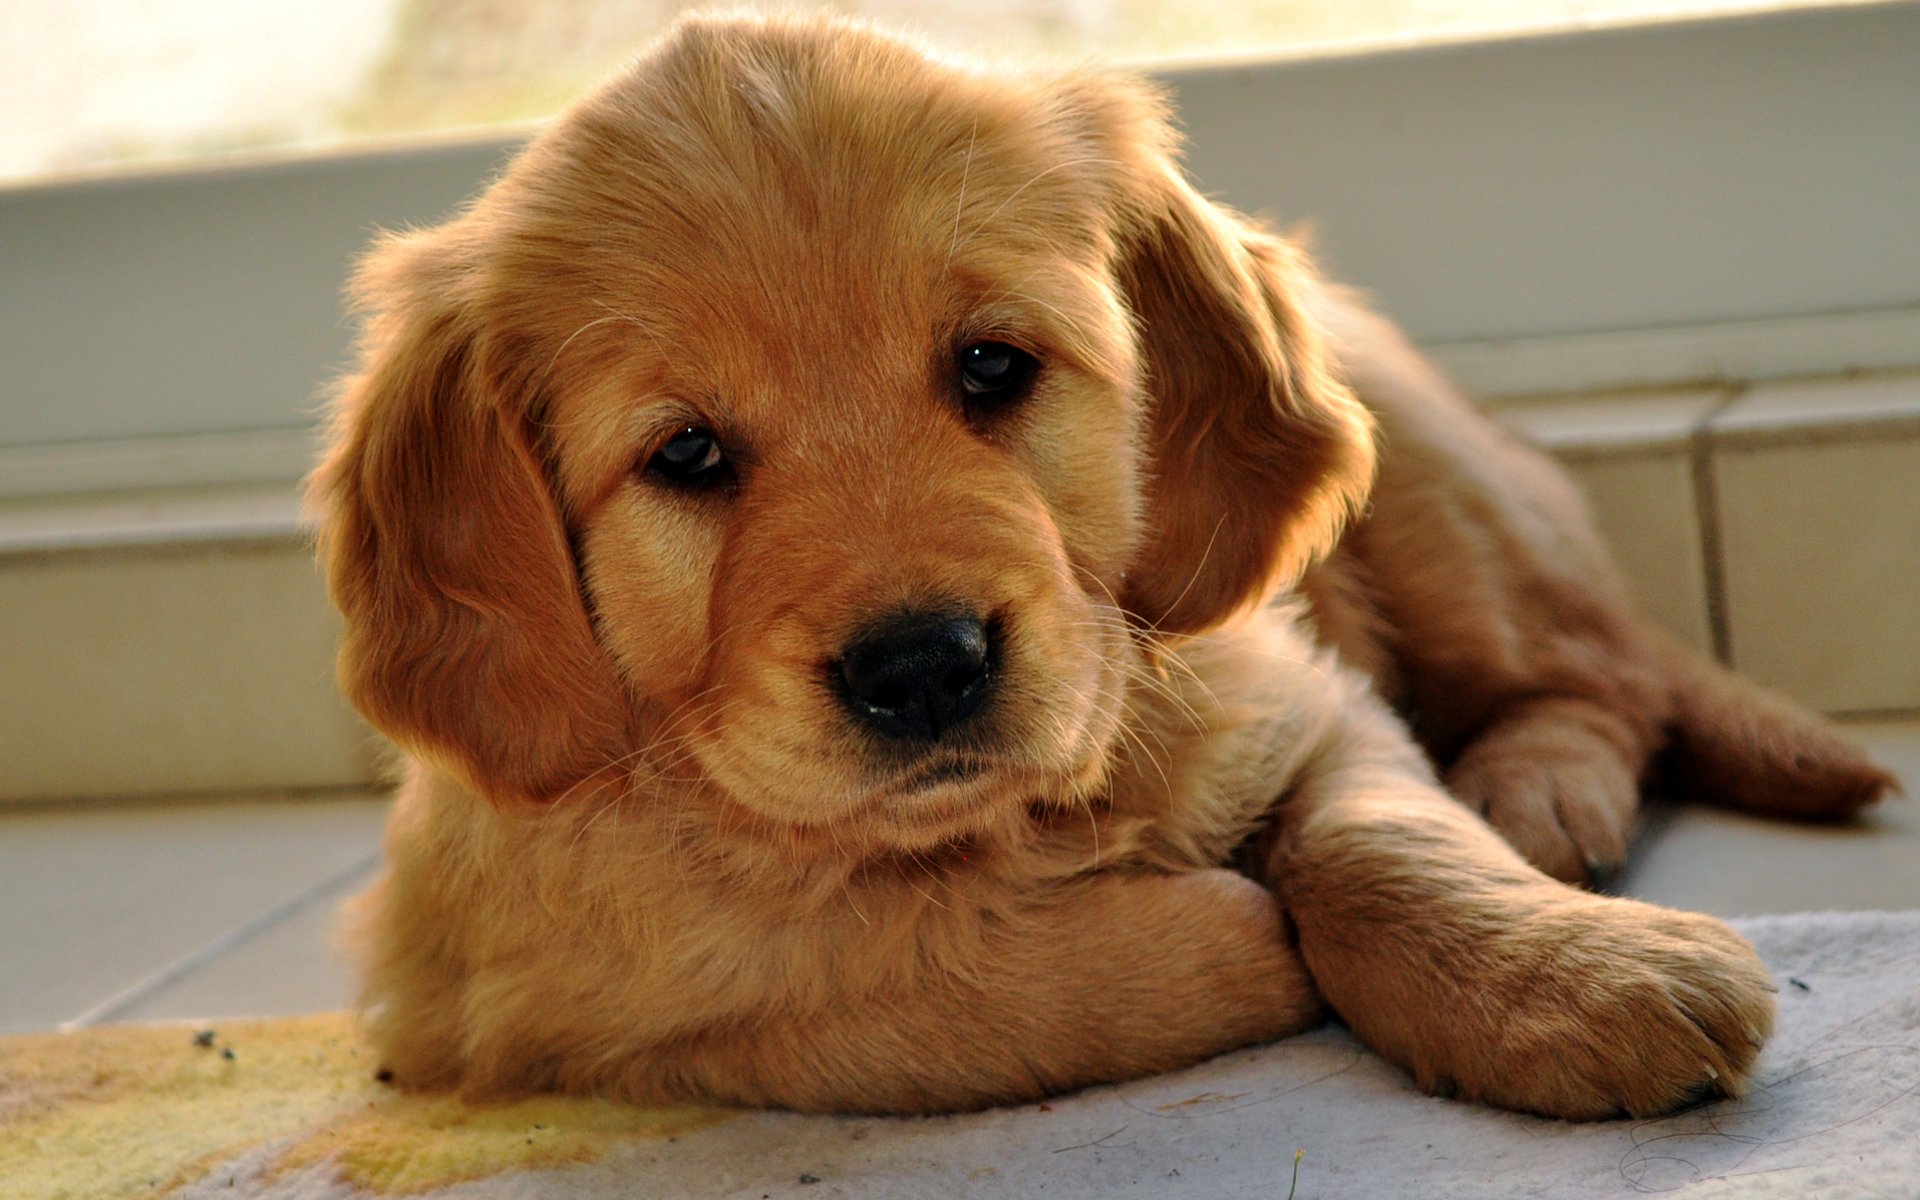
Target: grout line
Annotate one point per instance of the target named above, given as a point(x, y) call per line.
point(126, 999)
point(1706, 505)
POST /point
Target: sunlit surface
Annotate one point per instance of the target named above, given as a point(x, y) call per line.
point(93, 84)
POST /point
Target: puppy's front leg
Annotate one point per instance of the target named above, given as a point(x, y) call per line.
point(1103, 977)
point(1453, 957)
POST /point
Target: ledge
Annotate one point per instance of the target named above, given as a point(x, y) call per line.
point(148, 520)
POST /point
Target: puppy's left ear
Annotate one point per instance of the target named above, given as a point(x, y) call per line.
point(1259, 452)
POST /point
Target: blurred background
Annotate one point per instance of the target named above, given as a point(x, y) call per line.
point(92, 84)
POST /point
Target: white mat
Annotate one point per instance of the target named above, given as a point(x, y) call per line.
point(1836, 1114)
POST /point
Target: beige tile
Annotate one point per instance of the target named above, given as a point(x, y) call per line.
point(1644, 507)
point(95, 899)
point(1710, 860)
point(197, 668)
point(1630, 453)
point(294, 967)
point(1821, 547)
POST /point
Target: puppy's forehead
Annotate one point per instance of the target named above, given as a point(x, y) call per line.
point(780, 175)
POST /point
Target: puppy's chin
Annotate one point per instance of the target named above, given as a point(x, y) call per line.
point(955, 800)
point(866, 807)
point(940, 801)
point(943, 804)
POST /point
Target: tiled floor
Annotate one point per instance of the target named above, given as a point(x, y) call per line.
point(223, 909)
point(109, 903)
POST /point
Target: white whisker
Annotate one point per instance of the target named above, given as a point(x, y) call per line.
point(960, 205)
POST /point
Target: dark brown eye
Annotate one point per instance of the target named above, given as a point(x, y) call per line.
point(994, 374)
point(691, 459)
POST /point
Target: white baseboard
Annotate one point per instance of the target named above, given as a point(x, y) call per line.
point(278, 456)
point(1776, 348)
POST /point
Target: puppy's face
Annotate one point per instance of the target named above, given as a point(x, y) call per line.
point(851, 456)
point(872, 409)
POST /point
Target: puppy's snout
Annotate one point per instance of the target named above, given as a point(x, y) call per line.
point(919, 675)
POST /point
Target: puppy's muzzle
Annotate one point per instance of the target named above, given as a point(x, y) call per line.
point(918, 676)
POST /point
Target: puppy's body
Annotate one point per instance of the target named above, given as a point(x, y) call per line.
point(676, 427)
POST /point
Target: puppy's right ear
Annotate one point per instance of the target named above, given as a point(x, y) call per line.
point(466, 640)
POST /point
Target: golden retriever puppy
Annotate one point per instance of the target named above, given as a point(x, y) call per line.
point(824, 526)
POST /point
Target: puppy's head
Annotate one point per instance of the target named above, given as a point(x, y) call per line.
point(810, 422)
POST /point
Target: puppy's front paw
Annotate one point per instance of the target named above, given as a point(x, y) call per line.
point(1601, 1008)
point(1561, 797)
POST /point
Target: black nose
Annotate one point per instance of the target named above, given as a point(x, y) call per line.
point(918, 675)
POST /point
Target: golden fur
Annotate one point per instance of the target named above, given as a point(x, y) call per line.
point(642, 850)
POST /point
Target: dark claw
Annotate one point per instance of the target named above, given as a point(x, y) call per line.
point(1707, 1091)
point(1601, 872)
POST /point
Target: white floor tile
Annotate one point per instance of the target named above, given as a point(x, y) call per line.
point(1730, 864)
point(94, 900)
point(294, 967)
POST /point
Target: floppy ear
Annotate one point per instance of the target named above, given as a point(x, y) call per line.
point(1259, 453)
point(466, 637)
